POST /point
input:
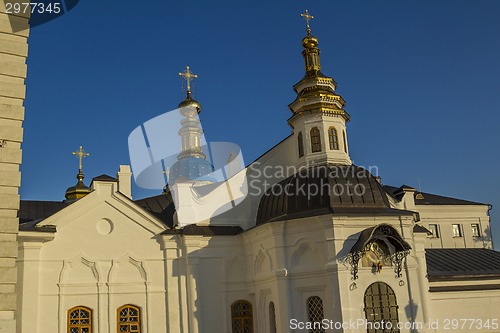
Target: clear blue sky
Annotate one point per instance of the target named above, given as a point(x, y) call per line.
point(421, 80)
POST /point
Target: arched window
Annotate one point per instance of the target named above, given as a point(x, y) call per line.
point(381, 304)
point(80, 320)
point(315, 313)
point(129, 319)
point(315, 140)
point(345, 141)
point(242, 317)
point(300, 142)
point(333, 138)
point(272, 318)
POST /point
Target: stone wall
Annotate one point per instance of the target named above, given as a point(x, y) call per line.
point(13, 53)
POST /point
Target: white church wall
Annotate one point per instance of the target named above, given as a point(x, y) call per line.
point(275, 165)
point(206, 274)
point(444, 216)
point(450, 311)
point(407, 287)
point(105, 254)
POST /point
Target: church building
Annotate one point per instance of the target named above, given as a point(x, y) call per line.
point(317, 245)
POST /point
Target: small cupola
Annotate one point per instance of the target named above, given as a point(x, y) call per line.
point(80, 189)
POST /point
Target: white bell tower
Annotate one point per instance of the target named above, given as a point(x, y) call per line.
point(319, 119)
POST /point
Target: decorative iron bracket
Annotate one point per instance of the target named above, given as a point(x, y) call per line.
point(397, 261)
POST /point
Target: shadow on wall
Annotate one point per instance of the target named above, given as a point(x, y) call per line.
point(487, 239)
point(411, 310)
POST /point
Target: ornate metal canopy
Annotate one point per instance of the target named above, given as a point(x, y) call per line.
point(398, 248)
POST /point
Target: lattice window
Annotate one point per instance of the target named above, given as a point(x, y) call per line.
point(129, 319)
point(315, 140)
point(272, 318)
point(242, 317)
point(300, 142)
point(381, 305)
point(80, 320)
point(333, 138)
point(315, 313)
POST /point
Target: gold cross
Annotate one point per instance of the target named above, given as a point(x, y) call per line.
point(80, 154)
point(188, 76)
point(307, 17)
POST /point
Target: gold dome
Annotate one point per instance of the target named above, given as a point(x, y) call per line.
point(190, 102)
point(79, 190)
point(309, 42)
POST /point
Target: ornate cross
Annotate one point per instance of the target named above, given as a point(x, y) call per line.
point(80, 154)
point(307, 17)
point(188, 76)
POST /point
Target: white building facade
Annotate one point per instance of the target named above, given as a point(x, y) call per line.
point(326, 248)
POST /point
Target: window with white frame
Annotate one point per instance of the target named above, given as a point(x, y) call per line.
point(476, 231)
point(457, 230)
point(434, 229)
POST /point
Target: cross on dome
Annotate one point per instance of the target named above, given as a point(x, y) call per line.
point(307, 17)
point(188, 76)
point(80, 154)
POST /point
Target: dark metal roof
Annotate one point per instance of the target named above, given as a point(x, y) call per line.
point(382, 231)
point(32, 226)
point(325, 189)
point(419, 229)
point(473, 287)
point(462, 264)
point(105, 178)
point(161, 206)
point(428, 198)
point(33, 211)
point(30, 210)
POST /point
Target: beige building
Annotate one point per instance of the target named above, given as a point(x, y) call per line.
point(14, 32)
point(317, 245)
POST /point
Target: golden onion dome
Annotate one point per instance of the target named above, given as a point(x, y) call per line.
point(309, 42)
point(190, 102)
point(79, 190)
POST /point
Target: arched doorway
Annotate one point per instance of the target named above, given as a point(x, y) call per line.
point(381, 309)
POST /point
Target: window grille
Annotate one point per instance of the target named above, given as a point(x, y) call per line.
point(315, 140)
point(315, 313)
point(80, 320)
point(242, 317)
point(129, 319)
point(333, 138)
point(381, 305)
